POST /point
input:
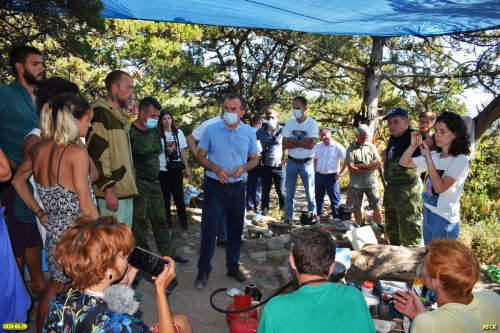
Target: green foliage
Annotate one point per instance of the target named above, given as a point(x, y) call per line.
point(480, 202)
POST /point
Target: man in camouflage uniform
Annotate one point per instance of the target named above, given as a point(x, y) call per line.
point(403, 193)
point(146, 148)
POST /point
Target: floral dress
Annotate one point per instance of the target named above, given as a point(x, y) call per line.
point(75, 311)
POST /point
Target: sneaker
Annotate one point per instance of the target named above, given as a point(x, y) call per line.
point(237, 274)
point(289, 220)
point(201, 279)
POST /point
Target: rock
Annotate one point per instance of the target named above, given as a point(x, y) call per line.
point(188, 249)
point(259, 256)
point(278, 242)
point(264, 271)
point(278, 255)
point(269, 282)
point(263, 241)
point(285, 273)
point(249, 245)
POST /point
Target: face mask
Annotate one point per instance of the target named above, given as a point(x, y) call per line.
point(273, 123)
point(297, 113)
point(151, 123)
point(230, 118)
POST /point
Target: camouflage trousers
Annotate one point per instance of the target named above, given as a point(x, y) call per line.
point(403, 214)
point(151, 208)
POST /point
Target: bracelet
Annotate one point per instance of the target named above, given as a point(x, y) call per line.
point(39, 211)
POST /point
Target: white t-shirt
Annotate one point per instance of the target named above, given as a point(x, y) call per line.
point(172, 149)
point(198, 131)
point(446, 204)
point(329, 157)
point(301, 131)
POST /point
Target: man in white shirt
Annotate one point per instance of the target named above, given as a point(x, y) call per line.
point(299, 137)
point(327, 156)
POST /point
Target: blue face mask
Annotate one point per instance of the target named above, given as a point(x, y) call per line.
point(297, 113)
point(230, 118)
point(151, 123)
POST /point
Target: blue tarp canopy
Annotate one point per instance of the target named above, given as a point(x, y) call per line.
point(339, 17)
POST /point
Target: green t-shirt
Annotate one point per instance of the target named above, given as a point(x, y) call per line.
point(146, 148)
point(18, 118)
point(318, 309)
point(362, 154)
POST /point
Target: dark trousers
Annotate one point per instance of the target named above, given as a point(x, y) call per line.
point(23, 235)
point(221, 199)
point(254, 189)
point(268, 176)
point(327, 183)
point(171, 184)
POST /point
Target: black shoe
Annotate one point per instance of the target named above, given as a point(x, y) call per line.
point(171, 286)
point(237, 274)
point(181, 260)
point(221, 243)
point(201, 279)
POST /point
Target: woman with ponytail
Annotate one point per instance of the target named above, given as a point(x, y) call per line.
point(60, 167)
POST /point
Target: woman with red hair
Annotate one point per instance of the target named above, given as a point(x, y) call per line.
point(450, 270)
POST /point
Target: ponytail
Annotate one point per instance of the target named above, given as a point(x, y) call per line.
point(59, 121)
point(66, 128)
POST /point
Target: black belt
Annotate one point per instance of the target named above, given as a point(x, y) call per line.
point(238, 183)
point(299, 160)
point(327, 174)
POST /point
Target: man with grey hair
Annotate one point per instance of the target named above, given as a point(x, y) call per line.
point(363, 161)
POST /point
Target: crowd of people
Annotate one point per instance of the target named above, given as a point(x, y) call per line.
point(88, 196)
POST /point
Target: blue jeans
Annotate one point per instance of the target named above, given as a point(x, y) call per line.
point(222, 227)
point(219, 199)
point(437, 227)
point(254, 189)
point(327, 183)
point(268, 175)
point(306, 173)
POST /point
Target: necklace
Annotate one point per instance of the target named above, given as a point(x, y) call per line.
point(94, 293)
point(311, 282)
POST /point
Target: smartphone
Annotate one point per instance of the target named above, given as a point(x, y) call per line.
point(146, 261)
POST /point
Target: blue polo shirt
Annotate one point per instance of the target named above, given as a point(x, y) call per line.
point(17, 118)
point(228, 148)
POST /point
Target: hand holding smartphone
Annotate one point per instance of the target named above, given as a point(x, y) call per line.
point(146, 261)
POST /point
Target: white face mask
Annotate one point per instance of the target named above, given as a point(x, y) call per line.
point(297, 113)
point(230, 118)
point(272, 122)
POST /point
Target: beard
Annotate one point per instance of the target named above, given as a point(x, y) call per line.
point(31, 79)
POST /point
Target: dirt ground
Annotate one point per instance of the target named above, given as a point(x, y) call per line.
point(195, 303)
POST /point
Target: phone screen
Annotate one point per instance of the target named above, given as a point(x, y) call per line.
point(146, 261)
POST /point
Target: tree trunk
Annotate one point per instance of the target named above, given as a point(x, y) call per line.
point(386, 262)
point(373, 77)
point(486, 117)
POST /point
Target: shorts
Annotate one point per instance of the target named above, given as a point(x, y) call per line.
point(372, 194)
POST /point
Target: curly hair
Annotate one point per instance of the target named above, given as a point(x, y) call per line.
point(454, 265)
point(455, 123)
point(90, 247)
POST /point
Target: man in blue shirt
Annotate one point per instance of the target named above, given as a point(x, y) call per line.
point(18, 118)
point(227, 150)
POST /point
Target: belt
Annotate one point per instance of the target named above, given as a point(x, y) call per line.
point(327, 174)
point(299, 160)
point(233, 184)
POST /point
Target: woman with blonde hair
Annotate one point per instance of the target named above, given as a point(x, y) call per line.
point(93, 253)
point(450, 270)
point(60, 167)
